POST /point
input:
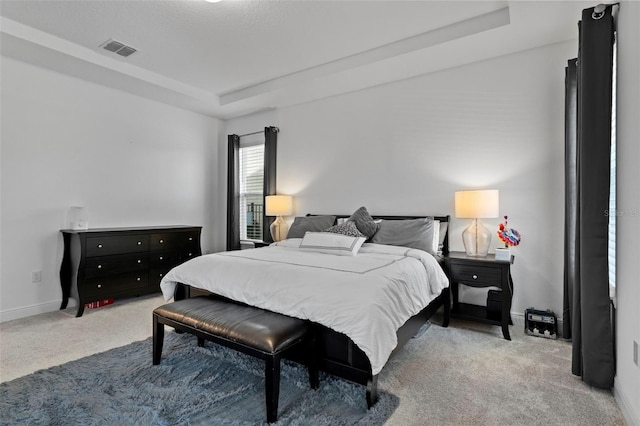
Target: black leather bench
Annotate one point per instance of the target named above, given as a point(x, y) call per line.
point(253, 331)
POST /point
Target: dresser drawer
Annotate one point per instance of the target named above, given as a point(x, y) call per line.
point(164, 259)
point(470, 274)
point(107, 285)
point(103, 266)
point(187, 254)
point(156, 275)
point(102, 246)
point(170, 240)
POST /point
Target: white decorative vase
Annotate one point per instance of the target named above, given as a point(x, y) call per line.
point(78, 218)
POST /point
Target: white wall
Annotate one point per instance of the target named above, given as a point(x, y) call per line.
point(406, 147)
point(68, 142)
point(627, 383)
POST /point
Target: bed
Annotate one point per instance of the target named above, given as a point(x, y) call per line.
point(363, 307)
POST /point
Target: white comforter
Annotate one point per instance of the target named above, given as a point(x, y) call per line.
point(367, 296)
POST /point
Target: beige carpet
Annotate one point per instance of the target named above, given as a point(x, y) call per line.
point(465, 374)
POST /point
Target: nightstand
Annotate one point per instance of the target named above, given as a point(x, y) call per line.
point(250, 244)
point(480, 272)
point(258, 244)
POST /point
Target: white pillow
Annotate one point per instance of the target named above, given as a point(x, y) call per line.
point(328, 242)
point(436, 236)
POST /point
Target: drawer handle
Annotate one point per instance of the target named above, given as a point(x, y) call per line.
point(475, 277)
point(139, 243)
point(161, 258)
point(99, 266)
point(138, 279)
point(161, 275)
point(139, 261)
point(190, 238)
point(161, 241)
point(99, 285)
point(189, 254)
point(99, 245)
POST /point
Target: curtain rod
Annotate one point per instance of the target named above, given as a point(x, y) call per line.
point(249, 134)
point(259, 132)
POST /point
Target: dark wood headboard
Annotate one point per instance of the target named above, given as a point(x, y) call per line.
point(445, 245)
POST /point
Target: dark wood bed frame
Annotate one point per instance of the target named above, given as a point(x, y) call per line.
point(337, 354)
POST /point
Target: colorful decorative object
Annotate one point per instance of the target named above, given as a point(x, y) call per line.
point(509, 236)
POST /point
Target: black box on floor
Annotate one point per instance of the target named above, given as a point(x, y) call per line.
point(494, 305)
point(540, 323)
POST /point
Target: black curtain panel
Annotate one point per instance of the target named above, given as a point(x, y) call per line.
point(587, 202)
point(270, 155)
point(233, 192)
point(571, 192)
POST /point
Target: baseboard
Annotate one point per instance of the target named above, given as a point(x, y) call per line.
point(27, 311)
point(518, 319)
point(628, 411)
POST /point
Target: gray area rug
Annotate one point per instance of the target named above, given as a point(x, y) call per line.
point(191, 386)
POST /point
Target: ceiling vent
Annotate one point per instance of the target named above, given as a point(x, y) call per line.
point(119, 48)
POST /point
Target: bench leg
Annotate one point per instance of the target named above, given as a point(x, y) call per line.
point(201, 342)
point(272, 387)
point(158, 340)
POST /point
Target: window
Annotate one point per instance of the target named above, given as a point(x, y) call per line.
point(251, 174)
point(251, 190)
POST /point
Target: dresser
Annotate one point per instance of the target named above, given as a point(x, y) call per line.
point(481, 272)
point(104, 263)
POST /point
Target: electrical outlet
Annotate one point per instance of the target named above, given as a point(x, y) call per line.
point(36, 276)
point(635, 352)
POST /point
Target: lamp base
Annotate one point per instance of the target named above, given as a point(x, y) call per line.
point(476, 239)
point(279, 229)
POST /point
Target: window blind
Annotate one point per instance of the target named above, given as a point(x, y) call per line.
point(251, 190)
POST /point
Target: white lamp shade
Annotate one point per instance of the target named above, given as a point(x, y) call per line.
point(278, 205)
point(479, 204)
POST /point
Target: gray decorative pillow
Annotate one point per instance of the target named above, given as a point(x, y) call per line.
point(412, 233)
point(301, 225)
point(346, 228)
point(364, 222)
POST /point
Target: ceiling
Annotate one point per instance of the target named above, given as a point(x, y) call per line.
point(237, 57)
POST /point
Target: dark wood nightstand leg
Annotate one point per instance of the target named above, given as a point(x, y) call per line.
point(507, 294)
point(454, 296)
point(446, 293)
point(505, 327)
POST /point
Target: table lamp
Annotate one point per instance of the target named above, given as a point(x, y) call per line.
point(478, 204)
point(278, 205)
